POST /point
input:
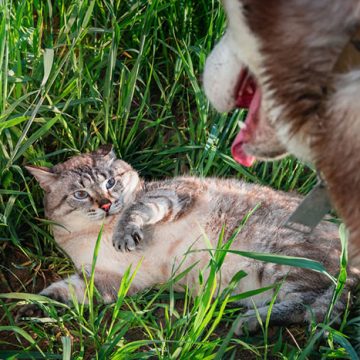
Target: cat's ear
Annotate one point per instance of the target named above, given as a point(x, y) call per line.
point(107, 152)
point(43, 175)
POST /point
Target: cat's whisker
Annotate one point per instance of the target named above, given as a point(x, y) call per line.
point(96, 214)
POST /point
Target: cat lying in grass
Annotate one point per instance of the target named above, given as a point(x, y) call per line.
point(169, 217)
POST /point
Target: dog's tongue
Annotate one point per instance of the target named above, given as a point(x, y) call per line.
point(249, 96)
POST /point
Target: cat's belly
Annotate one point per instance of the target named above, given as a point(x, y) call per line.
point(184, 243)
point(82, 252)
point(173, 248)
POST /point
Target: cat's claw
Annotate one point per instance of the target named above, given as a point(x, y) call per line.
point(128, 239)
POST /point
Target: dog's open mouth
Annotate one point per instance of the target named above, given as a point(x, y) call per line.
point(248, 95)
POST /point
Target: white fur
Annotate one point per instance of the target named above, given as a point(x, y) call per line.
point(245, 45)
point(222, 69)
point(296, 144)
point(237, 47)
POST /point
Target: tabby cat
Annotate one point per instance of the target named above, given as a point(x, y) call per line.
point(163, 219)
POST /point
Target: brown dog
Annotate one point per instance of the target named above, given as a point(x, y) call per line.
point(277, 58)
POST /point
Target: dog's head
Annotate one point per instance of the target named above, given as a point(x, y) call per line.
point(276, 58)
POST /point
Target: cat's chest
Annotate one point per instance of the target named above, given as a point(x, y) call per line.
point(83, 247)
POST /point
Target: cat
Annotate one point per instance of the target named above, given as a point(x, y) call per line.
point(295, 65)
point(162, 220)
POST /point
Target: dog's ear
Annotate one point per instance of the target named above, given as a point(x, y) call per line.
point(43, 175)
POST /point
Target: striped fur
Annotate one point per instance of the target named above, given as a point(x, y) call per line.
point(164, 219)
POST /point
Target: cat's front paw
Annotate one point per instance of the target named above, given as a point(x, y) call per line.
point(127, 238)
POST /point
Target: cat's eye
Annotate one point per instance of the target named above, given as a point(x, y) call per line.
point(110, 183)
point(80, 194)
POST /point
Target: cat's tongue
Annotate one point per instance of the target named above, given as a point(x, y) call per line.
point(248, 96)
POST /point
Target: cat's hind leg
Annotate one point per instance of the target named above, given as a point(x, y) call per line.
point(74, 288)
point(300, 308)
point(61, 291)
point(283, 313)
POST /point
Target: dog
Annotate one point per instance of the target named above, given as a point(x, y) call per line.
point(290, 62)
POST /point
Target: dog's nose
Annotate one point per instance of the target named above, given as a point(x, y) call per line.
point(105, 204)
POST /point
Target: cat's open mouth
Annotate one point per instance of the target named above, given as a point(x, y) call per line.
point(248, 96)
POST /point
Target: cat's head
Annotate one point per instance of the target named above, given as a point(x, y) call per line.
point(89, 187)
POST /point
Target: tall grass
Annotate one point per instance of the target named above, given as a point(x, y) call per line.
point(77, 74)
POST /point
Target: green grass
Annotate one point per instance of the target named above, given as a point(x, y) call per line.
point(77, 74)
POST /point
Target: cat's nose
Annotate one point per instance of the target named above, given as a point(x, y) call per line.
point(105, 204)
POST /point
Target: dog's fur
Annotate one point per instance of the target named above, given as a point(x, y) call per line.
point(291, 47)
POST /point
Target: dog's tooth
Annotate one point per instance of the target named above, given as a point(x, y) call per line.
point(242, 125)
